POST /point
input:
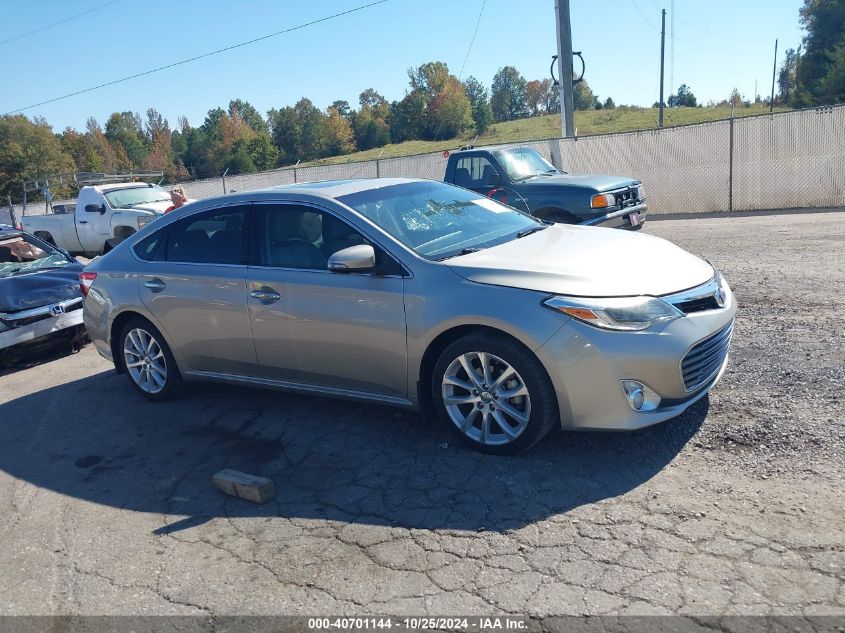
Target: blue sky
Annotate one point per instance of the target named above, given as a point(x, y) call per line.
point(719, 45)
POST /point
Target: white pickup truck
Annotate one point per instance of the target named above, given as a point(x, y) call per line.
point(104, 216)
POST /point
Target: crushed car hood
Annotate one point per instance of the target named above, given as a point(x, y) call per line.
point(36, 289)
point(586, 261)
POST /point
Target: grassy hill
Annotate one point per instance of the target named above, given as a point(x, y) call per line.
point(621, 119)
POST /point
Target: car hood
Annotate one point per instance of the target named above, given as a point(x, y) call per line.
point(586, 261)
point(36, 289)
point(583, 181)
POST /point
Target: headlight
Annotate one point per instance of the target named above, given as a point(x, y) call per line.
point(640, 193)
point(616, 313)
point(603, 200)
point(144, 220)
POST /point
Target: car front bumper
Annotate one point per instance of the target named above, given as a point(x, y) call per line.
point(621, 218)
point(39, 329)
point(586, 365)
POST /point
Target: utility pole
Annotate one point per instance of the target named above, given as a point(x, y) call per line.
point(564, 67)
point(662, 50)
point(774, 72)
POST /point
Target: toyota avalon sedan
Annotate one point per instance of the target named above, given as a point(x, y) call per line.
point(417, 294)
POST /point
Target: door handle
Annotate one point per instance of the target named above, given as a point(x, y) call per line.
point(265, 295)
point(156, 285)
point(83, 222)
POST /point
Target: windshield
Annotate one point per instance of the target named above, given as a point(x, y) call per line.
point(438, 220)
point(125, 198)
point(523, 163)
point(21, 254)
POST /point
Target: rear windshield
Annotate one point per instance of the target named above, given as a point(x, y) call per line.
point(22, 254)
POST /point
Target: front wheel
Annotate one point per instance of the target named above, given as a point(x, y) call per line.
point(493, 394)
point(149, 362)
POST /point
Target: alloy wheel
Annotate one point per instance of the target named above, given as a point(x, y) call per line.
point(145, 360)
point(486, 398)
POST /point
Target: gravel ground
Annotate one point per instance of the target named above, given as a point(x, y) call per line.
point(734, 508)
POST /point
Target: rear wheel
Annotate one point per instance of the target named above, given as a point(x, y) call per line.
point(149, 362)
point(493, 394)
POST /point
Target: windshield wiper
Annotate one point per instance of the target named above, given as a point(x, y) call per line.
point(463, 251)
point(533, 229)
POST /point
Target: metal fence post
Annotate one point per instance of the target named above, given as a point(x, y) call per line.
point(378, 168)
point(731, 162)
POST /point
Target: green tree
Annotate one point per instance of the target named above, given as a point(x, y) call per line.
point(28, 149)
point(125, 131)
point(820, 72)
point(508, 95)
point(449, 111)
point(683, 98)
point(310, 121)
point(583, 97)
point(285, 130)
point(431, 77)
point(370, 130)
point(336, 137)
point(407, 117)
point(249, 114)
point(481, 112)
point(609, 104)
point(343, 107)
point(535, 96)
point(786, 74)
point(263, 151)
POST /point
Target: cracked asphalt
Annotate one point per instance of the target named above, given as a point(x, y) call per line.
point(736, 507)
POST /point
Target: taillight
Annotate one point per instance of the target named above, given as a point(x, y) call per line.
point(85, 281)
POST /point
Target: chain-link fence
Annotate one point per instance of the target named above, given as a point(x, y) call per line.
point(783, 160)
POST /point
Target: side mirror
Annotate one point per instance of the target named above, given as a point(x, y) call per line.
point(95, 208)
point(355, 258)
point(493, 179)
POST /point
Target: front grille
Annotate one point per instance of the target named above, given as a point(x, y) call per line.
point(27, 320)
point(698, 305)
point(626, 197)
point(705, 358)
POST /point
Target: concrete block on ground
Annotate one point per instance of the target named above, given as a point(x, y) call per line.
point(244, 486)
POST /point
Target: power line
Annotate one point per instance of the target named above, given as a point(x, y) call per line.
point(645, 19)
point(197, 57)
point(472, 41)
point(49, 26)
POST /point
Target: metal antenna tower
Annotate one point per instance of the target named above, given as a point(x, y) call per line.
point(672, 49)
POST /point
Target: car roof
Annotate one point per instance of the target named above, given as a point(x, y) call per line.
point(491, 148)
point(337, 188)
point(122, 185)
point(302, 192)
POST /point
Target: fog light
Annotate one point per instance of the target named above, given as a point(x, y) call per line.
point(639, 396)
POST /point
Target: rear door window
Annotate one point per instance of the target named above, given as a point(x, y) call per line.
point(214, 237)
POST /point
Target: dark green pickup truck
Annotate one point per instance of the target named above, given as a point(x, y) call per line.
point(522, 178)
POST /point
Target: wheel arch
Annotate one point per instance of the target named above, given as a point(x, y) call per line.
point(551, 213)
point(46, 236)
point(116, 327)
point(441, 342)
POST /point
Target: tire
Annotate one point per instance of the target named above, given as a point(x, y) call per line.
point(514, 423)
point(158, 377)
